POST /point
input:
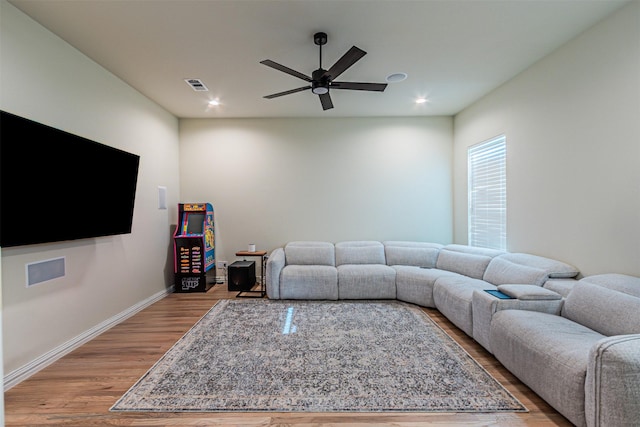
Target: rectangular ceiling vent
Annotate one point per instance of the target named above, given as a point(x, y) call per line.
point(197, 85)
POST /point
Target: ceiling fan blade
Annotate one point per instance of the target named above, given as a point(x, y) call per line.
point(325, 100)
point(347, 60)
point(287, 92)
point(279, 67)
point(376, 87)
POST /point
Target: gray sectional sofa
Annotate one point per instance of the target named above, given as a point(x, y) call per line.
point(576, 343)
point(426, 274)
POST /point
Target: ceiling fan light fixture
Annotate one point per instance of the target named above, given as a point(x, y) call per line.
point(320, 90)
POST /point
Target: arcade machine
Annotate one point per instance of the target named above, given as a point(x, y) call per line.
point(194, 247)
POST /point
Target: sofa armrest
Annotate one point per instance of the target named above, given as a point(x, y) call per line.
point(523, 297)
point(275, 264)
point(612, 386)
point(529, 293)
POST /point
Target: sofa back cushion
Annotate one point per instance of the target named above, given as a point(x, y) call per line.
point(310, 253)
point(467, 260)
point(417, 254)
point(360, 252)
point(618, 282)
point(520, 268)
point(605, 310)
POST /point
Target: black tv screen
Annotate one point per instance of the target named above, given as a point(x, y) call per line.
point(56, 186)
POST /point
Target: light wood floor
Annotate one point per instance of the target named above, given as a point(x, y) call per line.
point(79, 389)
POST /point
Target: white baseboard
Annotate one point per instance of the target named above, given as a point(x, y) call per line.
point(15, 377)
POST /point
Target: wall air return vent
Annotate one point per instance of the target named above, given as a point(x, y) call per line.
point(197, 85)
point(43, 271)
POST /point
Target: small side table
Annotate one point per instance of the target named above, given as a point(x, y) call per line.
point(263, 280)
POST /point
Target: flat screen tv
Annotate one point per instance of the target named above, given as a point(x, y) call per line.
point(56, 186)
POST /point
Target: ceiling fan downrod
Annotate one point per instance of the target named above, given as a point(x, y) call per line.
point(320, 39)
point(320, 83)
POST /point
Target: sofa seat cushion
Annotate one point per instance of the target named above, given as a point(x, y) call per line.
point(360, 252)
point(310, 253)
point(366, 281)
point(309, 282)
point(415, 284)
point(418, 254)
point(548, 353)
point(453, 296)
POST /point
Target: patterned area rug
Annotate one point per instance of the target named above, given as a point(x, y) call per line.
point(317, 356)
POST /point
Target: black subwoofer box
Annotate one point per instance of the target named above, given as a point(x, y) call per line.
point(241, 276)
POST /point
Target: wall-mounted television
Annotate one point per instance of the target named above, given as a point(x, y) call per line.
point(56, 186)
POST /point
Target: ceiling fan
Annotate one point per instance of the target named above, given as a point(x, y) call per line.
point(322, 80)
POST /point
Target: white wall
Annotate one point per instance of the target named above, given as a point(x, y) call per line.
point(572, 123)
point(44, 79)
point(277, 180)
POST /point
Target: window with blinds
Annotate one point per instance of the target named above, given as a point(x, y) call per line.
point(487, 188)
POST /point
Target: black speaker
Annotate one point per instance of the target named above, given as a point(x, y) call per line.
point(241, 276)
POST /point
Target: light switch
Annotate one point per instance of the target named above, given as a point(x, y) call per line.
point(162, 197)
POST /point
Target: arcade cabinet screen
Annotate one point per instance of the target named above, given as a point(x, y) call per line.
point(56, 186)
point(195, 223)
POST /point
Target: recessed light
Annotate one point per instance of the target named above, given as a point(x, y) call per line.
point(396, 77)
point(421, 100)
point(214, 103)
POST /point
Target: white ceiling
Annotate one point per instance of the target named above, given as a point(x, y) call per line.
point(453, 51)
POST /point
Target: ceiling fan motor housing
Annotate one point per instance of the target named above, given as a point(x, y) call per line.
point(320, 82)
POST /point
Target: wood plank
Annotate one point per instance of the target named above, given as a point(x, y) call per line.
point(79, 388)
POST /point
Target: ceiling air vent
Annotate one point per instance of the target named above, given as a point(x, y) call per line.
point(197, 85)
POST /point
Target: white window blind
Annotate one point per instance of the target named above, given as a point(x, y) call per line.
point(488, 194)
